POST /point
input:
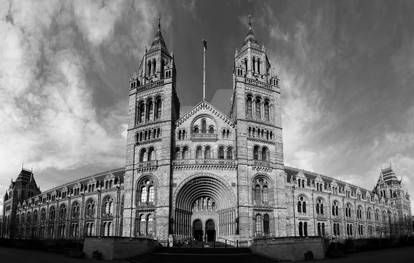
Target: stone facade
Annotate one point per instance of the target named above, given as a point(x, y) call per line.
point(205, 174)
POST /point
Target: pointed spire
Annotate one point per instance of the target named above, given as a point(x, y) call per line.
point(250, 37)
point(158, 41)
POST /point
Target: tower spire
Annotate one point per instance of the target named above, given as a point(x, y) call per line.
point(250, 21)
point(204, 68)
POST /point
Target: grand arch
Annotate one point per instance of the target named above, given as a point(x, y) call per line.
point(204, 208)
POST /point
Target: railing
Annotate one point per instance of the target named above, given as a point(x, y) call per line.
point(149, 85)
point(259, 163)
point(204, 162)
point(203, 136)
point(258, 83)
point(149, 165)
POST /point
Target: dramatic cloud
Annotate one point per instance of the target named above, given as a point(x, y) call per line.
point(346, 70)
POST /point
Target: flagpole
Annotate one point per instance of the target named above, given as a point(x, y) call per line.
point(204, 68)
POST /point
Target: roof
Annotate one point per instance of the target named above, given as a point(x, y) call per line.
point(158, 41)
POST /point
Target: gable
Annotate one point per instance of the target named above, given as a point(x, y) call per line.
point(203, 108)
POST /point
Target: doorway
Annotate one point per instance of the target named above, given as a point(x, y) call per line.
point(198, 230)
point(210, 231)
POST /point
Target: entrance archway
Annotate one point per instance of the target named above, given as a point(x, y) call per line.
point(198, 230)
point(210, 231)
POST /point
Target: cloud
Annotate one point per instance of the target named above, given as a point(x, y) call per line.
point(48, 112)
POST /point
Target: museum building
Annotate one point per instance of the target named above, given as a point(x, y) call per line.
point(204, 174)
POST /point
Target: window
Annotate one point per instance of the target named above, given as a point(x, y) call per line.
point(349, 229)
point(256, 152)
point(203, 125)
point(196, 130)
point(62, 212)
point(52, 213)
point(198, 152)
point(207, 152)
point(141, 110)
point(146, 192)
point(151, 154)
point(321, 229)
point(75, 210)
point(335, 208)
point(184, 154)
point(266, 110)
point(319, 206)
point(107, 207)
point(301, 205)
point(336, 231)
point(303, 229)
point(158, 105)
point(265, 154)
point(359, 212)
point(261, 191)
point(229, 152)
point(259, 224)
point(266, 224)
point(90, 209)
point(142, 155)
point(221, 152)
point(348, 210)
point(177, 153)
point(211, 129)
point(249, 107)
point(150, 110)
point(258, 109)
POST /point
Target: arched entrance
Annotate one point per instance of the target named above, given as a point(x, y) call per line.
point(198, 230)
point(210, 231)
point(204, 208)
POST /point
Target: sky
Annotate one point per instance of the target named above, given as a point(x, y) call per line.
point(346, 70)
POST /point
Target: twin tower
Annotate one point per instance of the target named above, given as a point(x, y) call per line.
point(203, 174)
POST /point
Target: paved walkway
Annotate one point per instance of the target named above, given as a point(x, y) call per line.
point(396, 255)
point(16, 255)
point(391, 255)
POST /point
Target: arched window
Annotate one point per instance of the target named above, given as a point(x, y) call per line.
point(258, 108)
point(150, 110)
point(141, 111)
point(335, 208)
point(177, 153)
point(90, 209)
point(203, 126)
point(198, 152)
point(142, 155)
point(266, 110)
point(158, 105)
point(75, 210)
point(266, 224)
point(319, 206)
point(149, 68)
point(256, 152)
point(35, 217)
point(196, 129)
point(359, 212)
point(221, 152)
point(301, 205)
point(150, 225)
point(249, 107)
point(229, 152)
point(259, 226)
point(265, 154)
point(151, 154)
point(348, 212)
point(300, 228)
point(62, 212)
point(107, 207)
point(258, 194)
point(146, 192)
point(207, 152)
point(211, 129)
point(151, 194)
point(52, 213)
point(184, 154)
point(261, 191)
point(265, 194)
